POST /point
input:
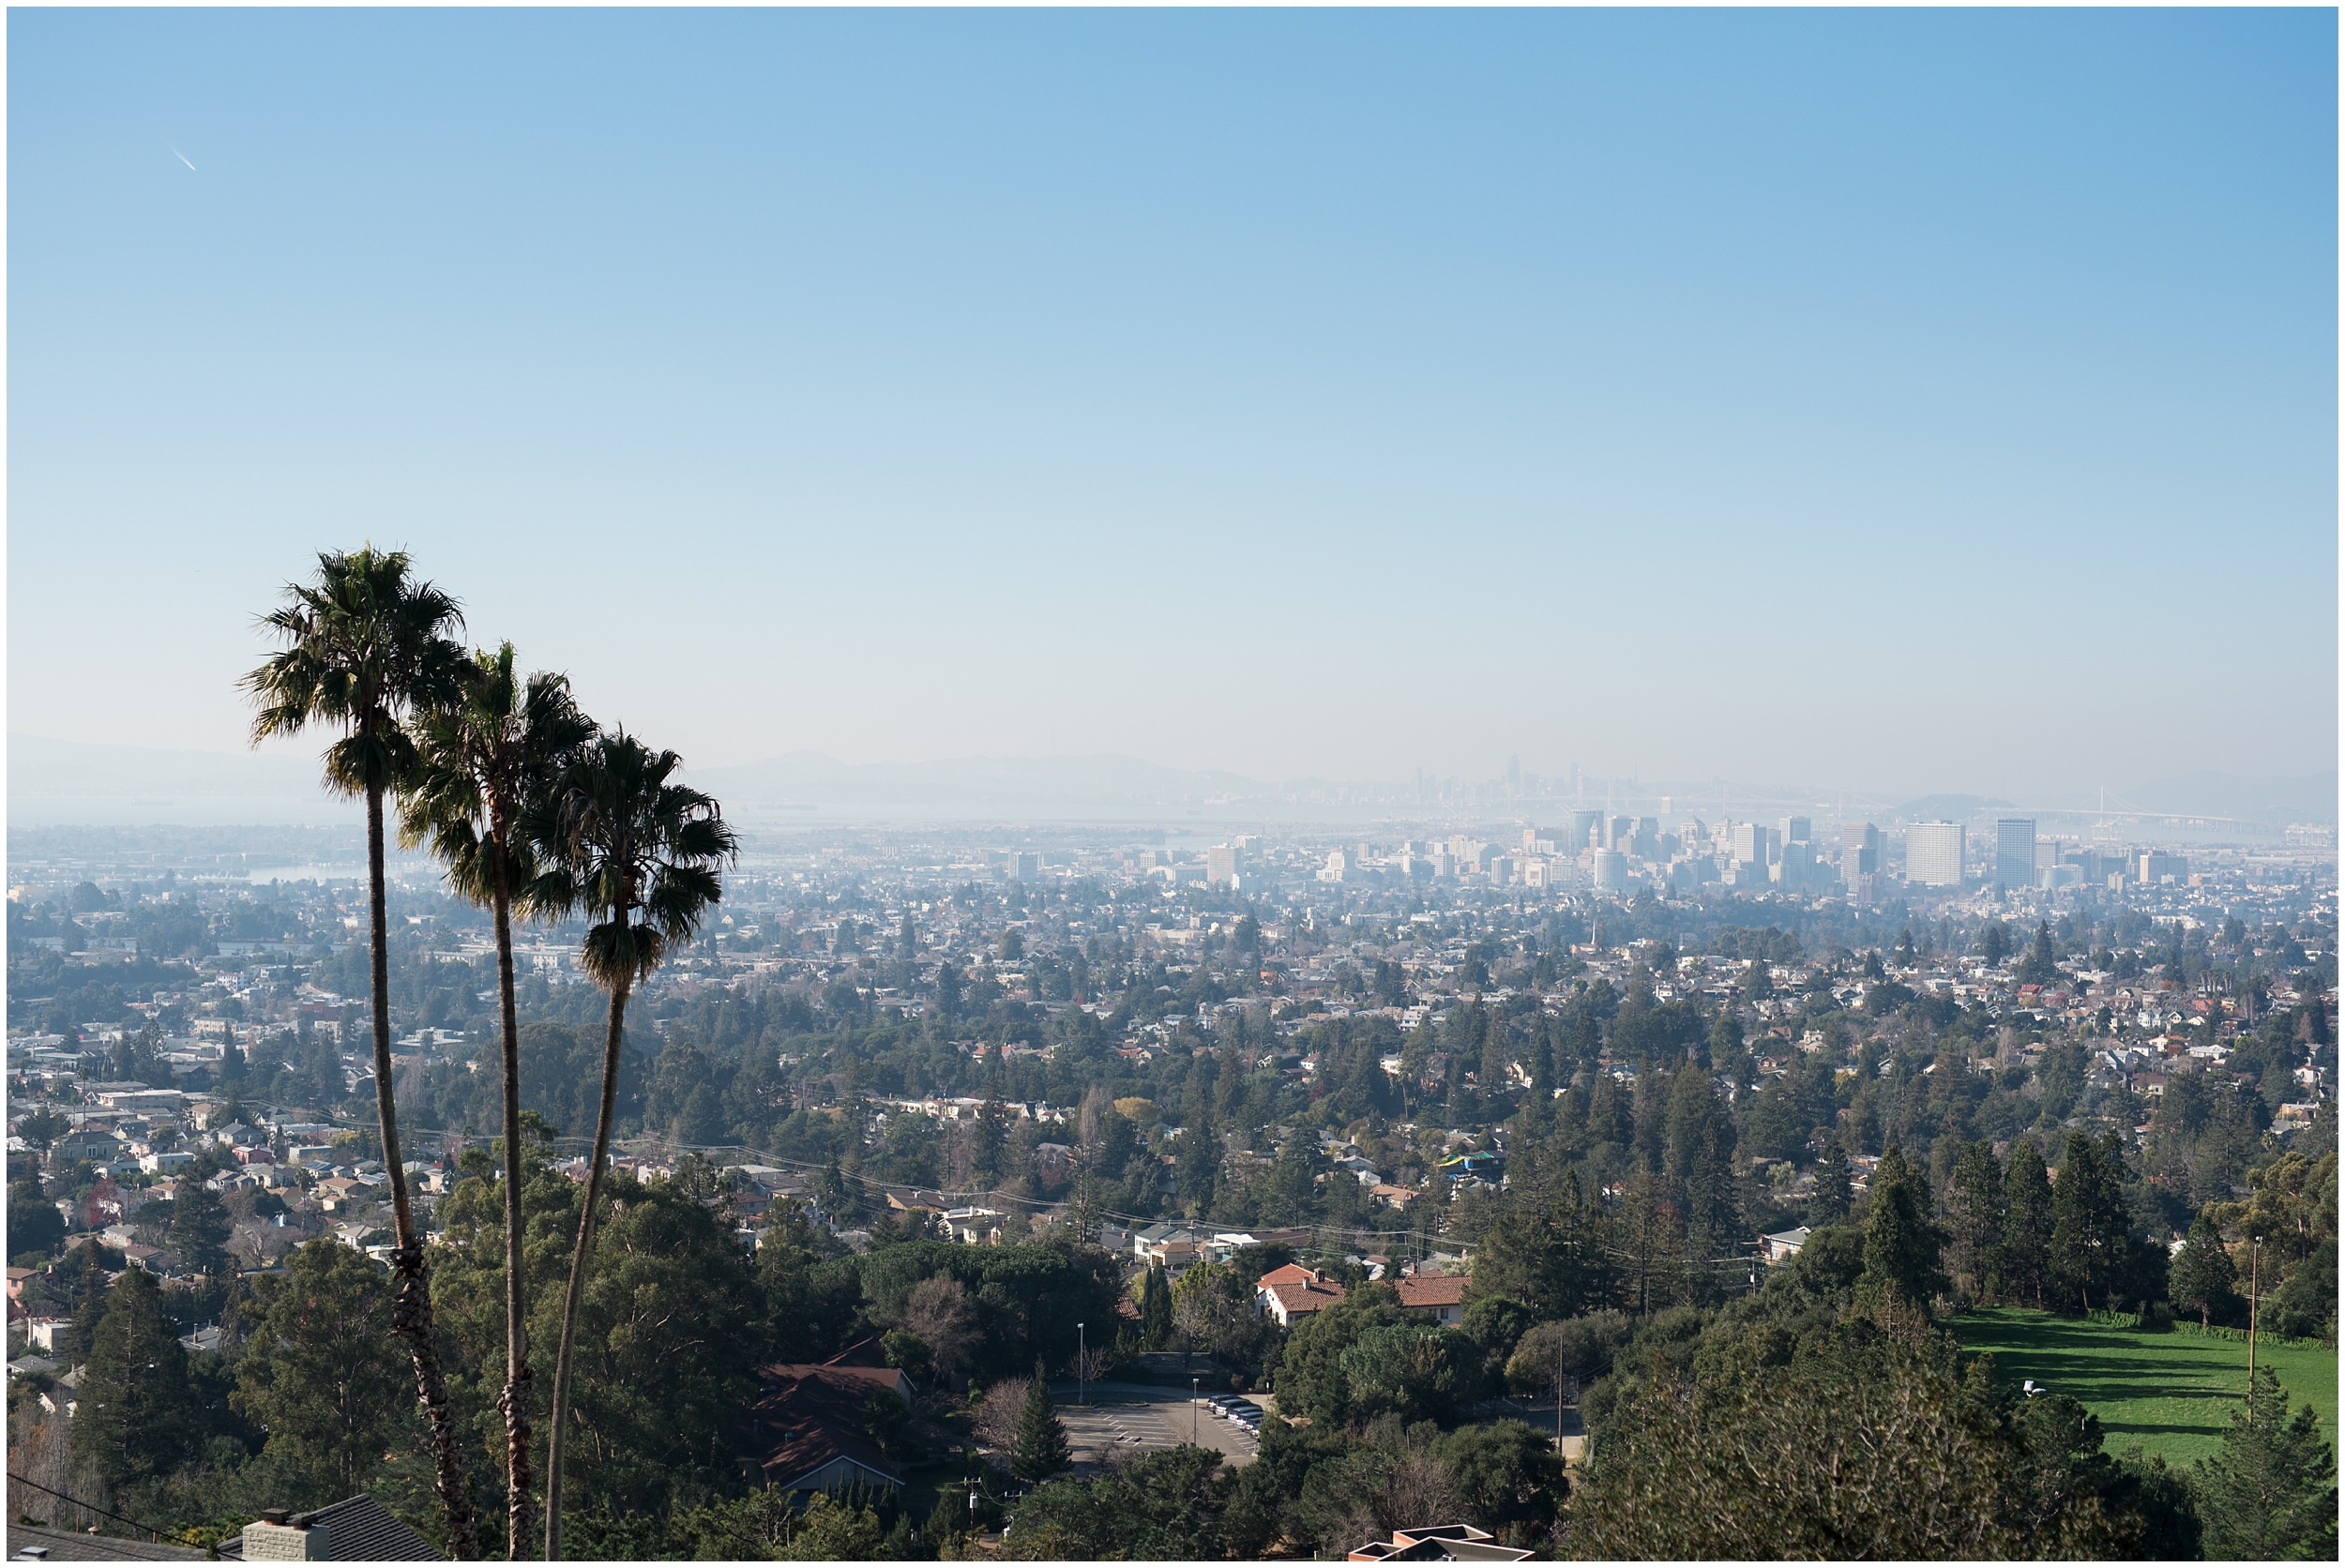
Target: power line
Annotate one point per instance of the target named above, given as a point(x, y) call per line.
point(184, 1537)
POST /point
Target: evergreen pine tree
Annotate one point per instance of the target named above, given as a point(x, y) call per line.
point(200, 1227)
point(1901, 1242)
point(1713, 1208)
point(2271, 1491)
point(2091, 1244)
point(34, 1223)
point(83, 1266)
point(134, 1416)
point(1830, 1205)
point(1975, 1215)
point(2039, 968)
point(1040, 1450)
point(2203, 1276)
point(2023, 1264)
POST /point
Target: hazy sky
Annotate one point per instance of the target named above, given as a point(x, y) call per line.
point(1903, 401)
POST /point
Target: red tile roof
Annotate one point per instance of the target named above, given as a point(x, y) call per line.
point(1432, 1290)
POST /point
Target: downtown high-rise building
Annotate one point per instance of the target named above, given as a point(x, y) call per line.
point(1860, 861)
point(2014, 851)
point(1933, 854)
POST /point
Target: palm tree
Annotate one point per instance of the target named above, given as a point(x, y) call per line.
point(364, 645)
point(480, 762)
point(640, 856)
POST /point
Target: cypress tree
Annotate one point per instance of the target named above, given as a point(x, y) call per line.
point(1040, 1450)
point(1155, 1308)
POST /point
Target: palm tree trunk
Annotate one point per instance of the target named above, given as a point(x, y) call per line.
point(578, 1274)
point(514, 1401)
point(411, 1299)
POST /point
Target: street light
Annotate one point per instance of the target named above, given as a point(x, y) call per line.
point(1080, 1367)
point(1192, 1412)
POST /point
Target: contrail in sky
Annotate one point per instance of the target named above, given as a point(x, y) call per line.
point(180, 155)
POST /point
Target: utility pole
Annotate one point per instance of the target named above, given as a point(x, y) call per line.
point(2255, 1262)
point(1081, 1366)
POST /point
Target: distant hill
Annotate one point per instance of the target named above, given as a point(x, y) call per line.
point(2273, 800)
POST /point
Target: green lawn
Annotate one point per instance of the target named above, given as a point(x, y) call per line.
point(2172, 1393)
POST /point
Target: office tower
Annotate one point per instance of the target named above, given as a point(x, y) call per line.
point(1530, 840)
point(1583, 827)
point(1222, 866)
point(1646, 842)
point(2014, 851)
point(2155, 866)
point(1610, 870)
point(1933, 853)
point(1794, 830)
point(1860, 850)
point(1022, 865)
point(1618, 833)
point(1750, 844)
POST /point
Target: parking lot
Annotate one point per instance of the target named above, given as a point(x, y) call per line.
point(1137, 1419)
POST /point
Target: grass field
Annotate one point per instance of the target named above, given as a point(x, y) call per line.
point(2172, 1392)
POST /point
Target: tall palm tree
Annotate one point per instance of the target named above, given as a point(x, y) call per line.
point(364, 645)
point(480, 762)
point(639, 855)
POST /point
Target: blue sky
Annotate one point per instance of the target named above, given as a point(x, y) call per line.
point(1896, 400)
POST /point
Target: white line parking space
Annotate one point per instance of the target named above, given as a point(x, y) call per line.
point(1136, 1419)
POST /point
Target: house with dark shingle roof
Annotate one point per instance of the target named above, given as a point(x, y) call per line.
point(806, 1430)
point(356, 1530)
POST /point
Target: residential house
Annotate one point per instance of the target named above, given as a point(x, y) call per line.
point(356, 1530)
point(1293, 1292)
point(1781, 1245)
point(1439, 1296)
point(807, 1432)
